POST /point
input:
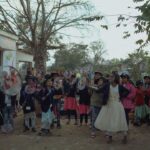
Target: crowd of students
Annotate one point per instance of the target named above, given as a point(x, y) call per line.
point(103, 102)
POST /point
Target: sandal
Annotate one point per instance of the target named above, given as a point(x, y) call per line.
point(124, 141)
point(109, 140)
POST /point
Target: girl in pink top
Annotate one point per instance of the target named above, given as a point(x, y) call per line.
point(128, 102)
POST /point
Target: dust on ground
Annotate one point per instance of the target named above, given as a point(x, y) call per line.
point(71, 137)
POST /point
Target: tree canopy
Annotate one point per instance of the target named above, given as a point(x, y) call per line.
point(37, 22)
point(71, 57)
point(141, 22)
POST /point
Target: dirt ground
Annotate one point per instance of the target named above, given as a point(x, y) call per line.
point(71, 137)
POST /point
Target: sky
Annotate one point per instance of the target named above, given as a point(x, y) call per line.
point(115, 45)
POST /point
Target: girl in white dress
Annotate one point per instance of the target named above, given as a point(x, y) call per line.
point(112, 118)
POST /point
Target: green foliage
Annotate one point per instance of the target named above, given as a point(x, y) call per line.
point(121, 18)
point(142, 21)
point(104, 26)
point(96, 52)
point(75, 56)
point(138, 63)
point(71, 57)
point(93, 18)
point(118, 25)
point(38, 23)
point(126, 35)
point(112, 65)
point(139, 42)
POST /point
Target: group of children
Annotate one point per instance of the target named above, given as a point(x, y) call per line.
point(48, 95)
point(81, 96)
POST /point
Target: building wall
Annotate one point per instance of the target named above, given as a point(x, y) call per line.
point(7, 44)
point(8, 49)
point(23, 57)
point(7, 41)
point(10, 56)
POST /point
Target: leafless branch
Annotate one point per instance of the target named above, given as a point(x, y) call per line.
point(52, 25)
point(43, 19)
point(14, 8)
point(6, 20)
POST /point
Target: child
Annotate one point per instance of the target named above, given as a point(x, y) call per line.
point(128, 102)
point(84, 100)
point(2, 98)
point(96, 100)
point(57, 101)
point(70, 103)
point(38, 94)
point(7, 104)
point(28, 103)
point(141, 110)
point(111, 118)
point(46, 106)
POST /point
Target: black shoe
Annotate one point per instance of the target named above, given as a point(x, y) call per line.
point(59, 126)
point(138, 124)
point(26, 129)
point(42, 132)
point(52, 126)
point(33, 130)
point(45, 132)
point(148, 122)
point(124, 141)
point(109, 140)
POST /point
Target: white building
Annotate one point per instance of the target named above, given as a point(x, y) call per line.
point(9, 56)
point(7, 49)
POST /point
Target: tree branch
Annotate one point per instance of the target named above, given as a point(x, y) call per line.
point(68, 23)
point(6, 20)
point(43, 19)
point(18, 11)
point(27, 12)
point(36, 16)
point(51, 25)
point(15, 23)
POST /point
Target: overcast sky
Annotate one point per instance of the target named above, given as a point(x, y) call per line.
point(116, 46)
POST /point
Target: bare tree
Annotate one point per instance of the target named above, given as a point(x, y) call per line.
point(96, 52)
point(37, 22)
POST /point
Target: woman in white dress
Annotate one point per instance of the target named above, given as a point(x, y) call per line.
point(112, 118)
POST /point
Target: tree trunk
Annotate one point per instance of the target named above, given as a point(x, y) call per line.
point(40, 56)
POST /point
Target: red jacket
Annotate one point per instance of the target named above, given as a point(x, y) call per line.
point(139, 98)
